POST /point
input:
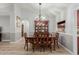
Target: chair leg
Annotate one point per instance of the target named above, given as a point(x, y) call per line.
point(33, 48)
point(57, 44)
point(27, 46)
point(54, 45)
point(44, 48)
point(24, 46)
point(50, 49)
point(40, 48)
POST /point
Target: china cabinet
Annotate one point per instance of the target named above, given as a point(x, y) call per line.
point(41, 26)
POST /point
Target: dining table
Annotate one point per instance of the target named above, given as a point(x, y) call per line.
point(30, 39)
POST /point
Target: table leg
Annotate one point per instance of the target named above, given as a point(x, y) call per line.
point(27, 46)
point(33, 48)
point(54, 45)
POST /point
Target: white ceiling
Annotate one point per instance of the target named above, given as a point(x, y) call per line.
point(45, 5)
point(4, 5)
point(54, 8)
point(36, 5)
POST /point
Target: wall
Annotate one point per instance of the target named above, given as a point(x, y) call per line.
point(5, 13)
point(67, 41)
point(52, 23)
point(30, 15)
point(13, 12)
point(69, 38)
point(5, 24)
point(12, 23)
point(17, 13)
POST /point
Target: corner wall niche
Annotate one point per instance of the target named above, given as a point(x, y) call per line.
point(61, 26)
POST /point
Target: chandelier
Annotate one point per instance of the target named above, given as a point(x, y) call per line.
point(40, 11)
point(40, 18)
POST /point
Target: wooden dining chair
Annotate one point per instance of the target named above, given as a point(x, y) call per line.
point(26, 41)
point(42, 41)
point(36, 42)
point(46, 42)
point(49, 41)
point(57, 38)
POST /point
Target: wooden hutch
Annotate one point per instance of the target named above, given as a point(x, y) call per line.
point(41, 27)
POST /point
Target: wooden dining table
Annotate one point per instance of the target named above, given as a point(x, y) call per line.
point(29, 39)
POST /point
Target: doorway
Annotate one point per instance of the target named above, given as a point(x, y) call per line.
point(25, 27)
point(22, 30)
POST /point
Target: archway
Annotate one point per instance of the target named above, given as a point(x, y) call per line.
point(25, 27)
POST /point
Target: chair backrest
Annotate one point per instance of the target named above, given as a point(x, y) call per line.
point(41, 36)
point(25, 37)
point(25, 34)
point(53, 34)
point(57, 35)
point(36, 35)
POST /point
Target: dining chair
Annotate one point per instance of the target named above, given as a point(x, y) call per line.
point(57, 38)
point(26, 41)
point(36, 42)
point(50, 41)
point(47, 42)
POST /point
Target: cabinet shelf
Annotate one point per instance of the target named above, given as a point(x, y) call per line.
point(41, 28)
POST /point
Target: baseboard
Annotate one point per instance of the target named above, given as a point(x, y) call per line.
point(5, 40)
point(66, 49)
point(16, 41)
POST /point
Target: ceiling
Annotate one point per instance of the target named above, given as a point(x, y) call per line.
point(35, 6)
point(45, 5)
point(4, 5)
point(54, 8)
point(46, 8)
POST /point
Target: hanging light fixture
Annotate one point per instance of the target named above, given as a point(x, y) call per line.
point(40, 11)
point(40, 17)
